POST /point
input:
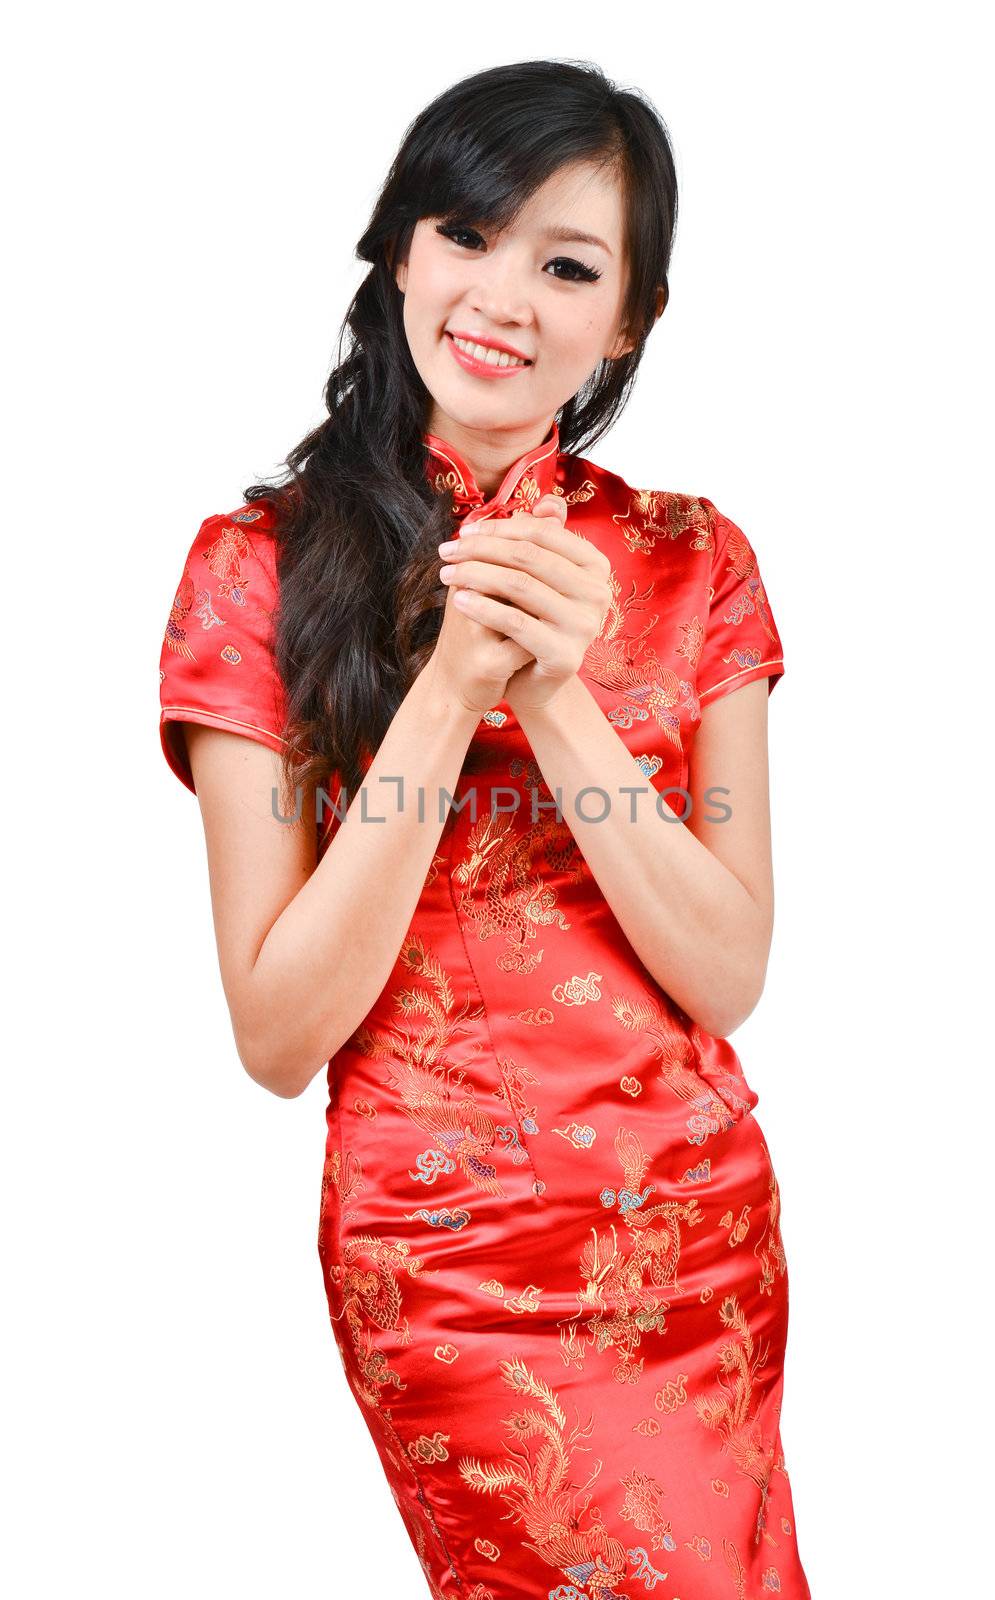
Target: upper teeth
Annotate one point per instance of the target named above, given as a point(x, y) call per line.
point(496, 358)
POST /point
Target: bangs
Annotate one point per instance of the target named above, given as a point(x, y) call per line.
point(487, 175)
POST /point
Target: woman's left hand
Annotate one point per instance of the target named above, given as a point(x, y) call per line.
point(555, 592)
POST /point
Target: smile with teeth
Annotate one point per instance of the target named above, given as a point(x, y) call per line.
point(494, 358)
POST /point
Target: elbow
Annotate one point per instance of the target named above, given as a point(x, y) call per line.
point(281, 1052)
point(721, 1021)
point(280, 1080)
point(282, 1074)
point(286, 1086)
point(721, 1015)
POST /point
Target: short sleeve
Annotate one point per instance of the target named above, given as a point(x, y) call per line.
point(217, 665)
point(741, 641)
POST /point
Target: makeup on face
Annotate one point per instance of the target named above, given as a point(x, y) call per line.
point(485, 358)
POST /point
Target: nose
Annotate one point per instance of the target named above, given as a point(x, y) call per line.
point(498, 292)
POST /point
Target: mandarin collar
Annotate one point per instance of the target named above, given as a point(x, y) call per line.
point(532, 475)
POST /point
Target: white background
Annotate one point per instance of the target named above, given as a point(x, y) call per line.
point(185, 186)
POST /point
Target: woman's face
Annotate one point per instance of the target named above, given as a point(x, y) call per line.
point(525, 288)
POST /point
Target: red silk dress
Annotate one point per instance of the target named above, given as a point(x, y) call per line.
point(549, 1226)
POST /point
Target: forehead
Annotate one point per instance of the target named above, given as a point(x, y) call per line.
point(582, 195)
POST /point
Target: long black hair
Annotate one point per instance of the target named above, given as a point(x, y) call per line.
point(357, 520)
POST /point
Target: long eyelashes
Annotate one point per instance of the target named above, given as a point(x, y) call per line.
point(579, 272)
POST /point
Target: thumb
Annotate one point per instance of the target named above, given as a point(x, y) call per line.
point(550, 505)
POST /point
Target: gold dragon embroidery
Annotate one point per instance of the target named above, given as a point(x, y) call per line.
point(537, 1488)
point(675, 1053)
point(371, 1301)
point(733, 1412)
point(498, 889)
point(769, 1248)
point(623, 663)
point(425, 1082)
point(742, 561)
point(663, 515)
point(631, 1292)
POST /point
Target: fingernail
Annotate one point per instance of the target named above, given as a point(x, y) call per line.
point(447, 548)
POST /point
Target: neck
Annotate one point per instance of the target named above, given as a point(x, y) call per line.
point(488, 452)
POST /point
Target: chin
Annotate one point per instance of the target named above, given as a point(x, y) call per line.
point(480, 415)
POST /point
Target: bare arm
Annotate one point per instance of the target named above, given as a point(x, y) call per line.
point(304, 948)
point(695, 899)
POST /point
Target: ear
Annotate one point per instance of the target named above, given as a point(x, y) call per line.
point(398, 269)
point(622, 346)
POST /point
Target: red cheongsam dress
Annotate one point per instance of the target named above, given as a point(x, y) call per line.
point(549, 1224)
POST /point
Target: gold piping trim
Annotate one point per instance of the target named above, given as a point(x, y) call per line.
point(455, 465)
point(195, 714)
point(551, 447)
point(774, 661)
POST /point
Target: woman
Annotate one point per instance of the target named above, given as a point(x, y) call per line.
point(541, 895)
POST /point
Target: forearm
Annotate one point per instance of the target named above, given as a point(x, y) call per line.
point(674, 900)
point(327, 957)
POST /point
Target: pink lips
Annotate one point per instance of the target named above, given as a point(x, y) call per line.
point(481, 369)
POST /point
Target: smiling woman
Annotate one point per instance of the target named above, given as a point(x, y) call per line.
point(549, 1226)
point(464, 286)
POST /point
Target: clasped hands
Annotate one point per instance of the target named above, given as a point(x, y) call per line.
point(529, 579)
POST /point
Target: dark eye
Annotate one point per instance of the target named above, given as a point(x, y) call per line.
point(454, 233)
point(573, 271)
point(578, 272)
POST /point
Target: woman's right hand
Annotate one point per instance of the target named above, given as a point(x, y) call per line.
point(472, 661)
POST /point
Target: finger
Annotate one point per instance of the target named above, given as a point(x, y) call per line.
point(527, 598)
point(517, 655)
point(548, 535)
point(545, 585)
point(515, 625)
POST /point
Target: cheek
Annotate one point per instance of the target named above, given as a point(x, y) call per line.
point(428, 292)
point(422, 315)
point(578, 342)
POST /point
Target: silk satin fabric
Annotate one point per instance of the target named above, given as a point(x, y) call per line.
point(549, 1224)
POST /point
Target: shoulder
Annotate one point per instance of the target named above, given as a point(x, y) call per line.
point(237, 550)
point(217, 663)
point(227, 595)
point(643, 519)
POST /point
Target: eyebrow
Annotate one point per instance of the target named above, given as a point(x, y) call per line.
point(569, 235)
